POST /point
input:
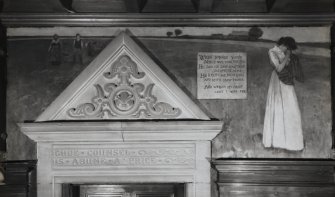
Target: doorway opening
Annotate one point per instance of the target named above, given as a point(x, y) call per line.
point(123, 190)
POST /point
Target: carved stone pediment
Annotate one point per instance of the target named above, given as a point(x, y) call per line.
point(122, 83)
point(124, 96)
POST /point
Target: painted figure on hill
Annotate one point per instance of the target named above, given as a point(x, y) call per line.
point(55, 52)
point(282, 122)
point(78, 49)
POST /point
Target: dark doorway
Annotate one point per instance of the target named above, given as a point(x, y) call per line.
point(123, 190)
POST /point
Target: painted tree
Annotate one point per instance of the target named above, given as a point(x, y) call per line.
point(169, 33)
point(255, 33)
point(178, 32)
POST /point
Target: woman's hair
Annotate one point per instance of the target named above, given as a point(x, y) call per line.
point(288, 41)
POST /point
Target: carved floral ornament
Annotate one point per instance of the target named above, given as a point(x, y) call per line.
point(122, 98)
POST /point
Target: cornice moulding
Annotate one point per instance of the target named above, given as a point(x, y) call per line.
point(168, 19)
point(122, 131)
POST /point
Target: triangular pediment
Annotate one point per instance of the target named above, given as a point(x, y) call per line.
point(122, 82)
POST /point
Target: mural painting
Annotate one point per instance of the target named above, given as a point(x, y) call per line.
point(282, 121)
point(283, 105)
point(55, 53)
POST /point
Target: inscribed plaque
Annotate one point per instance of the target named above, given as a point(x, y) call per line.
point(126, 156)
point(222, 75)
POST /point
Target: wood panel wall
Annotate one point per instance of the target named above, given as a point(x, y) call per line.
point(20, 179)
point(3, 83)
point(275, 178)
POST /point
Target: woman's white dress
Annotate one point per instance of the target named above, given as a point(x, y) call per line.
point(282, 121)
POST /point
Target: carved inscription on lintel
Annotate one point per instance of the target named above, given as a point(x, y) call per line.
point(130, 157)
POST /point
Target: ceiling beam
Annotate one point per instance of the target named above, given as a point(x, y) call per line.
point(278, 6)
point(205, 6)
point(269, 4)
point(170, 6)
point(135, 6)
point(67, 4)
point(301, 6)
point(240, 6)
point(34, 6)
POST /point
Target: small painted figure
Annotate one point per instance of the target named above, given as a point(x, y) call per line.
point(55, 53)
point(78, 49)
point(282, 121)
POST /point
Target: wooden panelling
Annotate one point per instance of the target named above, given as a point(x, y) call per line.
point(240, 6)
point(332, 71)
point(173, 6)
point(13, 191)
point(205, 5)
point(302, 6)
point(133, 5)
point(258, 178)
point(19, 172)
point(99, 6)
point(275, 191)
point(3, 85)
point(33, 6)
point(20, 179)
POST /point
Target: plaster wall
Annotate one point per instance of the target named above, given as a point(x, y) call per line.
point(33, 83)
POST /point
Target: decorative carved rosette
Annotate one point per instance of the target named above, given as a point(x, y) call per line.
point(123, 99)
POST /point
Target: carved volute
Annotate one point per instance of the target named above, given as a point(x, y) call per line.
point(124, 96)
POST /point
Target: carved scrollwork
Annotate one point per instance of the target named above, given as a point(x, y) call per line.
point(124, 68)
point(122, 98)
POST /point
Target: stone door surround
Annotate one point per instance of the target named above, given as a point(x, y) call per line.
point(123, 152)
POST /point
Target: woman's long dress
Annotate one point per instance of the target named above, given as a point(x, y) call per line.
point(55, 52)
point(282, 122)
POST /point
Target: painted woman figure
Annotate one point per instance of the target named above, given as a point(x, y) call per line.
point(78, 46)
point(282, 122)
point(55, 53)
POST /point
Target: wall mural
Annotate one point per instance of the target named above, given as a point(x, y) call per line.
point(282, 121)
point(277, 78)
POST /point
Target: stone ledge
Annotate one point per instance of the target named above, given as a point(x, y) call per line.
point(118, 131)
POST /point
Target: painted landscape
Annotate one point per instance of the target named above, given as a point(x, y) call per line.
point(34, 82)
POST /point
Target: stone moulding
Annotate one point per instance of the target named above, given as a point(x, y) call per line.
point(82, 152)
point(122, 131)
point(124, 98)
